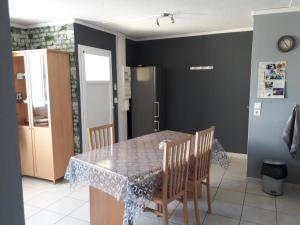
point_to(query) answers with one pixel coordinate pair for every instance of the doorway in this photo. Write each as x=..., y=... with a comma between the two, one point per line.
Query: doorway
x=95, y=72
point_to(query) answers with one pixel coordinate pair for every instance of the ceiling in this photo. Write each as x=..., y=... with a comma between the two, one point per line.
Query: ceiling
x=137, y=18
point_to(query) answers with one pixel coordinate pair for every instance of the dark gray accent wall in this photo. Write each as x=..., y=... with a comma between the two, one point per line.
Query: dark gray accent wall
x=131, y=53
x=98, y=39
x=11, y=207
x=198, y=99
x=264, y=141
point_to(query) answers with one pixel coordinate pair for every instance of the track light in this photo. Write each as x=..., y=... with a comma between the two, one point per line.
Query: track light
x=164, y=15
x=172, y=19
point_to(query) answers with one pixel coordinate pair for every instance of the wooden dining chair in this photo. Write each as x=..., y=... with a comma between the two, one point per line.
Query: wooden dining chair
x=175, y=176
x=101, y=136
x=200, y=168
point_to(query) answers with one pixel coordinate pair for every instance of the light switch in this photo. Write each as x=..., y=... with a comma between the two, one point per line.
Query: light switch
x=257, y=105
x=257, y=108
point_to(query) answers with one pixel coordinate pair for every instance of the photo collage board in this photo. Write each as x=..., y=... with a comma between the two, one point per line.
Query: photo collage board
x=271, y=79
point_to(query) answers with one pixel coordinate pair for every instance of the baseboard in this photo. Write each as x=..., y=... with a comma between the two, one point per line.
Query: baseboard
x=237, y=155
x=286, y=184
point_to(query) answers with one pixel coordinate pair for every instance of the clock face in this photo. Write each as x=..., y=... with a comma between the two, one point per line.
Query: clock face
x=286, y=43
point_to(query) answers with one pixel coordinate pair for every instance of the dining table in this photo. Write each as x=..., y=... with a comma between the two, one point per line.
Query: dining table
x=123, y=177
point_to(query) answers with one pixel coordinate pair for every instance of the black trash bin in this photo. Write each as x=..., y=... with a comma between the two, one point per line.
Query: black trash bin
x=273, y=176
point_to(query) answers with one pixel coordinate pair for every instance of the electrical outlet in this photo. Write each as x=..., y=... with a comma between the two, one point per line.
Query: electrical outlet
x=257, y=112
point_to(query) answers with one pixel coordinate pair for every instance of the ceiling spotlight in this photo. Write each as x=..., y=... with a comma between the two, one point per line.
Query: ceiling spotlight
x=172, y=19
x=165, y=15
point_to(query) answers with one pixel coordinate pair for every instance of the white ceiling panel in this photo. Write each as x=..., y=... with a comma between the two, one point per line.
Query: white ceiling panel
x=137, y=18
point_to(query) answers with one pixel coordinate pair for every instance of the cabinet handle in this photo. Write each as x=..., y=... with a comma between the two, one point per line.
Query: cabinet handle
x=156, y=109
x=156, y=124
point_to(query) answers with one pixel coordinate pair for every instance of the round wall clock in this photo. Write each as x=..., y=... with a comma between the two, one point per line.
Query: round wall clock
x=286, y=43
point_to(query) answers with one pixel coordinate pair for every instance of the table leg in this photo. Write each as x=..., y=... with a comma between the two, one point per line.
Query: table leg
x=105, y=209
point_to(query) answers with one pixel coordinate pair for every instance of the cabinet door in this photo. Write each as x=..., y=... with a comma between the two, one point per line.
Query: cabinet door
x=26, y=151
x=38, y=88
x=42, y=141
x=43, y=153
x=21, y=89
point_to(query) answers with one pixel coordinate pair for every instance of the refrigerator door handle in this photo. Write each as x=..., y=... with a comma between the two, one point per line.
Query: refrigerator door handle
x=156, y=125
x=156, y=109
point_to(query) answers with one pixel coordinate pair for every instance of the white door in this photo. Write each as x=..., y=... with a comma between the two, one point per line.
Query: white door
x=96, y=91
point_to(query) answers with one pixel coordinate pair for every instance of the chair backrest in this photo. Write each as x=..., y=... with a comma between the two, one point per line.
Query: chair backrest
x=176, y=166
x=101, y=136
x=202, y=153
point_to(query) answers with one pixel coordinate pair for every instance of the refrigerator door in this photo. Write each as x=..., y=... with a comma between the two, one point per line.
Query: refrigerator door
x=142, y=100
x=159, y=99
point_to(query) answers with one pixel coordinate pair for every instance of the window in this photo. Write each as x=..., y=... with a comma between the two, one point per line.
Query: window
x=97, y=68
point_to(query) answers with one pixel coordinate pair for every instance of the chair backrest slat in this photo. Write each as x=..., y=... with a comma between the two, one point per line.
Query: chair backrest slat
x=175, y=169
x=202, y=153
x=101, y=136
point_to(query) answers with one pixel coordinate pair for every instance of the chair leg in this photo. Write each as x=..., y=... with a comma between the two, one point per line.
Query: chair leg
x=166, y=214
x=159, y=208
x=185, y=209
x=208, y=195
x=196, y=206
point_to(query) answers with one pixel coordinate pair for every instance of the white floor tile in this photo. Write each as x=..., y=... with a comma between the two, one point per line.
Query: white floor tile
x=44, y=217
x=62, y=188
x=233, y=185
x=81, y=194
x=255, y=188
x=71, y=221
x=236, y=171
x=82, y=213
x=145, y=220
x=30, y=210
x=177, y=215
x=287, y=219
x=215, y=181
x=171, y=207
x=30, y=192
x=248, y=223
x=260, y=216
x=230, y=196
x=39, y=184
x=219, y=220
x=213, y=192
x=44, y=199
x=260, y=201
x=291, y=192
x=227, y=209
x=288, y=205
x=235, y=177
x=65, y=205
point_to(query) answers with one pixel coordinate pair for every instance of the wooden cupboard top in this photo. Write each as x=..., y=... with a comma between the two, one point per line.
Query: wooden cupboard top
x=40, y=50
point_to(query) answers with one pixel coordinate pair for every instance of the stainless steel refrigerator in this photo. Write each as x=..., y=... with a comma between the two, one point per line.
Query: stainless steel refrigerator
x=147, y=100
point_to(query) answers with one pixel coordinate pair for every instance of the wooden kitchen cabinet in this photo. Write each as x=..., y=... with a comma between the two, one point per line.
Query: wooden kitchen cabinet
x=44, y=112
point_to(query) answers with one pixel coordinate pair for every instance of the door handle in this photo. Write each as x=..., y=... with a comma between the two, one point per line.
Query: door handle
x=156, y=109
x=156, y=125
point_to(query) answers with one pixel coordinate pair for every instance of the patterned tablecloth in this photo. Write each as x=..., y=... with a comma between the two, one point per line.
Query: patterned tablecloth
x=129, y=170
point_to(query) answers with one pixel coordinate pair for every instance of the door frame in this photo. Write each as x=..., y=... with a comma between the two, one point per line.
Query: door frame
x=82, y=83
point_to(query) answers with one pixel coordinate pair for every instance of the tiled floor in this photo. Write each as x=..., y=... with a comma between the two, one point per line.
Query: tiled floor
x=236, y=201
